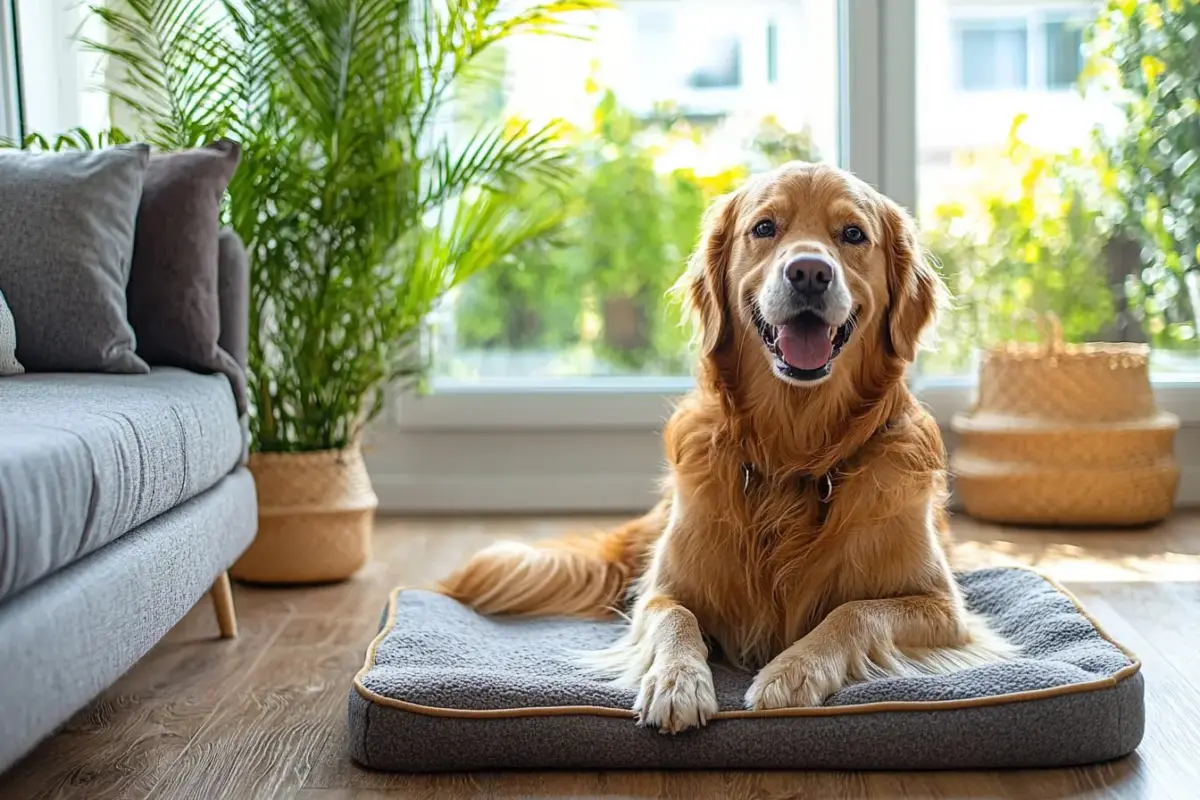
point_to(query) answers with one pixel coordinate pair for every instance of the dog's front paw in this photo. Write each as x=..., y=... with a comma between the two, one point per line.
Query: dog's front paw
x=676, y=695
x=794, y=681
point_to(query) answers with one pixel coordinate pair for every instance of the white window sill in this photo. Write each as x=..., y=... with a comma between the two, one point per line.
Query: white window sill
x=644, y=404
x=594, y=446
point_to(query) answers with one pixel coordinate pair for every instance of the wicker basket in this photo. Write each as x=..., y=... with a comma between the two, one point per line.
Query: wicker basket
x=1066, y=435
x=315, y=517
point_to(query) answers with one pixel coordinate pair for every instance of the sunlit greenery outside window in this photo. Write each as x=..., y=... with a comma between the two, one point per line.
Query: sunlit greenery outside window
x=592, y=299
x=1098, y=226
x=1100, y=233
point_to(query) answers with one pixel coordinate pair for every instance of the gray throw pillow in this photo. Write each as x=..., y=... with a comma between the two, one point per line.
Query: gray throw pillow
x=8, y=342
x=172, y=294
x=65, y=246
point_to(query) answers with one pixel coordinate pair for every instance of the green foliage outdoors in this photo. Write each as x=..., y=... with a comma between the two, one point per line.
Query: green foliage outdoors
x=1030, y=239
x=1030, y=236
x=605, y=282
x=1148, y=55
x=1034, y=239
x=359, y=211
x=602, y=286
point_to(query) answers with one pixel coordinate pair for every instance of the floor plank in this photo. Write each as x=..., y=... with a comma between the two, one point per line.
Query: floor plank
x=266, y=734
x=264, y=715
x=127, y=740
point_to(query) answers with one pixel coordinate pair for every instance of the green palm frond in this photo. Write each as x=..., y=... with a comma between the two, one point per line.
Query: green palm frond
x=77, y=138
x=177, y=67
x=491, y=158
x=487, y=229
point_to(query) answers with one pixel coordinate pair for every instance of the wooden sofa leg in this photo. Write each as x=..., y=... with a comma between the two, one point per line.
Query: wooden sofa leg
x=222, y=597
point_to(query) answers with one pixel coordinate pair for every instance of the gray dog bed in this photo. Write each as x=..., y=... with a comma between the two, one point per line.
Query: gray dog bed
x=444, y=688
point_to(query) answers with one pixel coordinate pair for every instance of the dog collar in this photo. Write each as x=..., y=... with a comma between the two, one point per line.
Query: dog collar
x=825, y=482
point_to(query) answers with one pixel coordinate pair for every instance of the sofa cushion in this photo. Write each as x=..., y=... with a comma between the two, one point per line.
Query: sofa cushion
x=65, y=251
x=172, y=295
x=8, y=342
x=87, y=458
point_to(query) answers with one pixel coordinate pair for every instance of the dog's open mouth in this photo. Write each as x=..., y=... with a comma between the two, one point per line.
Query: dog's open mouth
x=805, y=346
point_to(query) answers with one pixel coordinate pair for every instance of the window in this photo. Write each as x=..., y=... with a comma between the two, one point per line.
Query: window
x=673, y=102
x=1039, y=49
x=1017, y=196
x=61, y=83
x=719, y=64
x=1064, y=53
x=993, y=55
x=9, y=98
x=989, y=138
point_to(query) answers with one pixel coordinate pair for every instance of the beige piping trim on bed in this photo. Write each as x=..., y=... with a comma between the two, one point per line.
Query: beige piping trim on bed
x=819, y=711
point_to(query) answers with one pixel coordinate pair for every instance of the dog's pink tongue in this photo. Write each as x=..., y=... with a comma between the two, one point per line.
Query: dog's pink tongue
x=805, y=344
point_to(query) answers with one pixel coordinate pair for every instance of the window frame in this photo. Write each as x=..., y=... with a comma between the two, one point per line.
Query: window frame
x=752, y=76
x=10, y=76
x=593, y=445
x=771, y=50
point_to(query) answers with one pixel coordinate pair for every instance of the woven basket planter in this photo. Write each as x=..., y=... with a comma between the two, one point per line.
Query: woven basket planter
x=316, y=513
x=1066, y=435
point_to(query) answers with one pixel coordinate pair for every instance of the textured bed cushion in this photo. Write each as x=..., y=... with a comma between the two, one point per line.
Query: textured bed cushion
x=446, y=689
x=86, y=458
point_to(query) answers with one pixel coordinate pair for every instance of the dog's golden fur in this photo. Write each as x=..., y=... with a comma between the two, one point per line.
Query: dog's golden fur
x=755, y=568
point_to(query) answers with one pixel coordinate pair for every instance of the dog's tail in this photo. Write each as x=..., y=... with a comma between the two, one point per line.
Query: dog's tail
x=581, y=576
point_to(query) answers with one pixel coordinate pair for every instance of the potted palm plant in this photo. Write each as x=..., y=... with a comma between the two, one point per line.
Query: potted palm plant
x=359, y=205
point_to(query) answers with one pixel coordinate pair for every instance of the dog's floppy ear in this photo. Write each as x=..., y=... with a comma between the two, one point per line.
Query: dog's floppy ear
x=704, y=282
x=914, y=288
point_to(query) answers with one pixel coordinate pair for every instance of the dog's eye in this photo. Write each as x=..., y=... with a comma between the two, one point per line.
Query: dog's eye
x=852, y=234
x=763, y=229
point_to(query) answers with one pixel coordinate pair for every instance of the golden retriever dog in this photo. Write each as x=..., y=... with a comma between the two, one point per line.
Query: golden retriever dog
x=801, y=532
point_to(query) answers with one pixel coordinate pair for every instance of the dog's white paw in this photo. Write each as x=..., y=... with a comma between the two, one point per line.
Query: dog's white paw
x=676, y=695
x=794, y=681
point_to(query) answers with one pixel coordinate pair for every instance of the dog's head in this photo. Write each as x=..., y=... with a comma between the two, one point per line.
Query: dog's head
x=814, y=269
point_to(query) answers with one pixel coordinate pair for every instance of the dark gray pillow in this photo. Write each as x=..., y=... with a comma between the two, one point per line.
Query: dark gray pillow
x=65, y=247
x=173, y=299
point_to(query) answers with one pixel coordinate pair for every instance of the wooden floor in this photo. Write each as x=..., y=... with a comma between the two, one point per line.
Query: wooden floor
x=265, y=715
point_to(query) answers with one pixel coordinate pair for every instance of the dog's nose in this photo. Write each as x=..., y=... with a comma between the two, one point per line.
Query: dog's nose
x=808, y=275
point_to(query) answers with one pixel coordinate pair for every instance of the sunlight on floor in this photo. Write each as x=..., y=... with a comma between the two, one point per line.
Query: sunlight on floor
x=1092, y=562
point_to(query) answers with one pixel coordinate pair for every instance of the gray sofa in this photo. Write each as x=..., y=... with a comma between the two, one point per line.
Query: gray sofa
x=123, y=500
